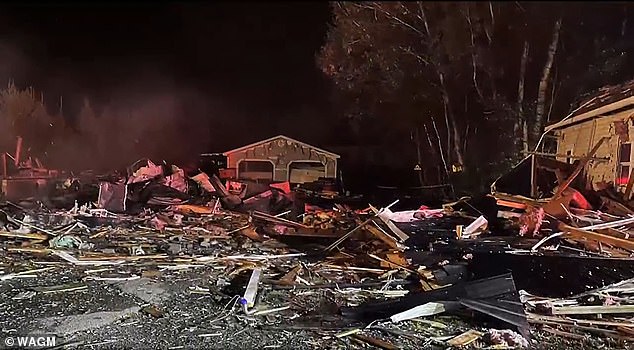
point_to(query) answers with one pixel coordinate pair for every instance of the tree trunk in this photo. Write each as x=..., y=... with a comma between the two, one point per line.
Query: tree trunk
x=431, y=146
x=624, y=22
x=445, y=103
x=419, y=158
x=457, y=142
x=521, y=120
x=442, y=157
x=453, y=136
x=543, y=83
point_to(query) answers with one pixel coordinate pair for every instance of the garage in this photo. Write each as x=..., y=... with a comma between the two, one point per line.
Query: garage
x=280, y=159
x=303, y=171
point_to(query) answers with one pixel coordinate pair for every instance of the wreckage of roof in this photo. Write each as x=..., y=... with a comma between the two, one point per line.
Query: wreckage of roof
x=606, y=100
x=277, y=138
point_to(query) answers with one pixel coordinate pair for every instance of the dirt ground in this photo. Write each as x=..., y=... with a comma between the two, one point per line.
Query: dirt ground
x=111, y=315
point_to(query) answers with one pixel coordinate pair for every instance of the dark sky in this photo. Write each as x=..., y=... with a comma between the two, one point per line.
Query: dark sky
x=254, y=59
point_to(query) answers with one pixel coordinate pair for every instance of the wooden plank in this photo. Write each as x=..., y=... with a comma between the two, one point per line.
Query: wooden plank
x=509, y=204
x=35, y=236
x=382, y=236
x=615, y=207
x=397, y=231
x=543, y=319
x=518, y=199
x=375, y=342
x=583, y=234
x=465, y=338
x=563, y=334
x=630, y=186
x=614, y=233
x=592, y=309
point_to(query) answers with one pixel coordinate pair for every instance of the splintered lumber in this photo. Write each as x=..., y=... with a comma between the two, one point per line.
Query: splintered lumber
x=465, y=338
x=615, y=207
x=29, y=250
x=35, y=236
x=397, y=231
x=344, y=285
x=579, y=168
x=375, y=342
x=391, y=264
x=592, y=309
x=23, y=273
x=347, y=235
x=563, y=334
x=289, y=278
x=578, y=233
x=196, y=209
x=382, y=236
x=543, y=319
x=630, y=186
x=61, y=288
x=252, y=234
x=516, y=201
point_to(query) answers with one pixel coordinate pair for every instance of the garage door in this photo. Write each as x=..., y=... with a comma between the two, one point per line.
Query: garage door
x=255, y=170
x=302, y=172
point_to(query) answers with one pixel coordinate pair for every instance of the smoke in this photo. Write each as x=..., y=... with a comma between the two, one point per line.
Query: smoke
x=148, y=115
x=171, y=124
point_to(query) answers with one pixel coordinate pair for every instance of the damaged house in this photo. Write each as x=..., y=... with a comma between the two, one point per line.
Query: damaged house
x=600, y=128
x=280, y=159
x=23, y=176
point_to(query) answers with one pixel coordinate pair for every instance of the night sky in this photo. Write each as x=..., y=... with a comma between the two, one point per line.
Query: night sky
x=248, y=65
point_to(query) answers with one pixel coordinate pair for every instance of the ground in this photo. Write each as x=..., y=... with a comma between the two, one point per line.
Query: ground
x=110, y=315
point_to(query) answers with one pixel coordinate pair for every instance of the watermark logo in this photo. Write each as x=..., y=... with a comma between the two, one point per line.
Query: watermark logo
x=29, y=341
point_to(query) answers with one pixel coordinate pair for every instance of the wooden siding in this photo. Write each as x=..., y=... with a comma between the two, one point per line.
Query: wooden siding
x=581, y=138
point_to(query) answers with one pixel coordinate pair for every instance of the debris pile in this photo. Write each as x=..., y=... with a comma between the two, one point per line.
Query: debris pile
x=497, y=270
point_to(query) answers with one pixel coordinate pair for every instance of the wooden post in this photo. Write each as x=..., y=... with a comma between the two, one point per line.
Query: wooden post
x=630, y=186
x=18, y=150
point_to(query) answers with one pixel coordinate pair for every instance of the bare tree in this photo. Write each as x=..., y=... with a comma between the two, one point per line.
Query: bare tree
x=521, y=122
x=543, y=83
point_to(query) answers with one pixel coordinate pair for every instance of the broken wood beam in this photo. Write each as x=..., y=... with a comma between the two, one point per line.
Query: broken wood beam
x=630, y=186
x=614, y=207
x=582, y=164
x=383, y=237
x=279, y=285
x=375, y=342
x=592, y=309
x=583, y=234
x=543, y=319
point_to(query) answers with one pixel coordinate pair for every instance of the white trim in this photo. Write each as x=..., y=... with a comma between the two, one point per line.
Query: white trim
x=597, y=112
x=227, y=153
x=254, y=160
x=569, y=157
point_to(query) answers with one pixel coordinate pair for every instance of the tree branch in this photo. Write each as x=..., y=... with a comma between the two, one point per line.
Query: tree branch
x=419, y=57
x=423, y=17
x=491, y=11
x=378, y=7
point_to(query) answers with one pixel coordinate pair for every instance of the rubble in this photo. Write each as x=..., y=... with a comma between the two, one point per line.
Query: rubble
x=206, y=263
